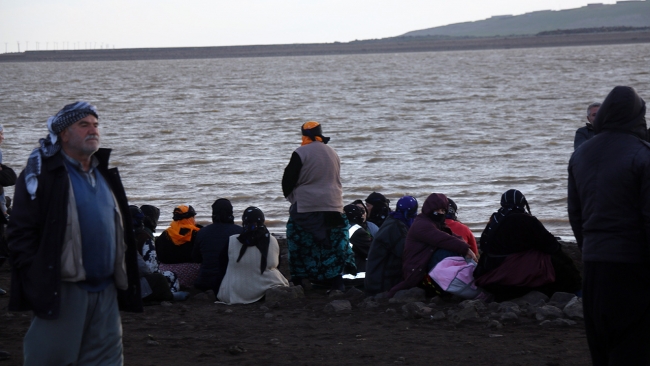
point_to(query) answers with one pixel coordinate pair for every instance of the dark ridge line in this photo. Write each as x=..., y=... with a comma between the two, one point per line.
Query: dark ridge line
x=390, y=45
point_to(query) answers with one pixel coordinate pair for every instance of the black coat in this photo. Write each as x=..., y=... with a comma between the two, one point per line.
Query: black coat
x=36, y=232
x=211, y=250
x=609, y=184
x=384, y=266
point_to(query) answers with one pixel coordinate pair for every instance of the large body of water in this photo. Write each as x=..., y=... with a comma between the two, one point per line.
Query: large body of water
x=470, y=124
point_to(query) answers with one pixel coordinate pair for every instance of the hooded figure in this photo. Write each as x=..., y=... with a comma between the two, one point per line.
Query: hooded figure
x=211, y=246
x=458, y=228
x=379, y=208
x=254, y=256
x=427, y=235
x=513, y=232
x=384, y=266
x=609, y=212
x=360, y=238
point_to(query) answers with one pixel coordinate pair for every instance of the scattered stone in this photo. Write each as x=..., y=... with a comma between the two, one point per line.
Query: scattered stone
x=283, y=293
x=557, y=323
x=494, y=324
x=573, y=309
x=495, y=335
x=437, y=300
x=415, y=310
x=439, y=315
x=414, y=294
x=165, y=303
x=355, y=295
x=391, y=311
x=509, y=307
x=264, y=308
x=368, y=303
x=548, y=312
x=269, y=315
x=560, y=299
x=493, y=306
x=400, y=360
x=235, y=350
x=531, y=298
x=153, y=343
x=338, y=306
x=464, y=314
x=228, y=311
x=335, y=293
x=509, y=316
x=383, y=295
x=202, y=297
x=476, y=304
x=274, y=341
x=8, y=315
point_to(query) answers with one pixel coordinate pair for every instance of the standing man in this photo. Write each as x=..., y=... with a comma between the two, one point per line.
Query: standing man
x=609, y=212
x=72, y=246
x=586, y=132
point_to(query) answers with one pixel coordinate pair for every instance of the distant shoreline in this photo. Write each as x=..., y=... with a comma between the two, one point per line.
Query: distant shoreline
x=390, y=45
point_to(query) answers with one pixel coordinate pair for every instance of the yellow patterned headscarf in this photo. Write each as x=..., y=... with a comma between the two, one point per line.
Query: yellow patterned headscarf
x=312, y=131
x=181, y=229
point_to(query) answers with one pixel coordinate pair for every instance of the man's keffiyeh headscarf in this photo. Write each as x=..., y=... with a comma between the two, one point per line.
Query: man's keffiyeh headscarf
x=50, y=145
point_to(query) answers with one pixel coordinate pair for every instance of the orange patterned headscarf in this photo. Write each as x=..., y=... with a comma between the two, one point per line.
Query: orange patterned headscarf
x=181, y=229
x=311, y=131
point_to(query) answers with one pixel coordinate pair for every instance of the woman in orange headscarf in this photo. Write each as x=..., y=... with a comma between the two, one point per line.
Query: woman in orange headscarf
x=175, y=244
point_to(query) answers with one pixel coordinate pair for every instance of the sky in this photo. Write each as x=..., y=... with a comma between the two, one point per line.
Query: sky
x=73, y=24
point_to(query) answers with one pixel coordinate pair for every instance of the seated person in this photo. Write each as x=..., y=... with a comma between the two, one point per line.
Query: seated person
x=428, y=235
x=153, y=284
x=384, y=265
x=211, y=246
x=148, y=249
x=370, y=227
x=378, y=208
x=175, y=245
x=360, y=239
x=253, y=258
x=459, y=228
x=520, y=255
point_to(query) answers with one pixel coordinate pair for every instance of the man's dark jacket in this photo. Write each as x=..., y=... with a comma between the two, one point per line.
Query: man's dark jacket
x=36, y=232
x=211, y=250
x=609, y=184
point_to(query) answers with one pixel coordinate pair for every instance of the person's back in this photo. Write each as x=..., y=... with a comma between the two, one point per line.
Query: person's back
x=211, y=249
x=384, y=265
x=609, y=212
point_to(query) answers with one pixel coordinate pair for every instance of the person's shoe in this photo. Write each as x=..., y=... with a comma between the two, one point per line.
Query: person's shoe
x=181, y=295
x=2, y=292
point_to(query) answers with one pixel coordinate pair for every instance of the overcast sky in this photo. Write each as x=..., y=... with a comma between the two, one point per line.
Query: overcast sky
x=188, y=23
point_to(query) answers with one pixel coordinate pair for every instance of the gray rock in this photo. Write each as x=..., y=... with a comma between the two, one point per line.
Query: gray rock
x=557, y=323
x=153, y=343
x=369, y=303
x=335, y=293
x=476, y=304
x=560, y=299
x=355, y=294
x=573, y=309
x=509, y=317
x=283, y=293
x=228, y=311
x=415, y=310
x=414, y=294
x=264, y=308
x=391, y=311
x=269, y=316
x=463, y=315
x=338, y=306
x=380, y=296
x=532, y=297
x=548, y=312
x=437, y=300
x=203, y=297
x=493, y=306
x=508, y=307
x=439, y=315
x=166, y=303
x=494, y=324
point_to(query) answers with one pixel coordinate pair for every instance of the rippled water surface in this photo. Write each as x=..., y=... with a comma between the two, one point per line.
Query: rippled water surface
x=468, y=124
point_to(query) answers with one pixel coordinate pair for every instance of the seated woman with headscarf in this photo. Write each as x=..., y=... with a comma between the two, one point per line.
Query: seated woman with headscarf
x=520, y=255
x=458, y=227
x=253, y=259
x=378, y=208
x=360, y=238
x=428, y=241
x=384, y=266
x=369, y=226
x=175, y=245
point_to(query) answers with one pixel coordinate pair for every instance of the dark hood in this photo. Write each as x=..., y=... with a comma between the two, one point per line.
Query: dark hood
x=623, y=110
x=434, y=201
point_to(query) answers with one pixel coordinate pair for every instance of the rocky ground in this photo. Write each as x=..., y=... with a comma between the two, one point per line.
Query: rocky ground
x=298, y=327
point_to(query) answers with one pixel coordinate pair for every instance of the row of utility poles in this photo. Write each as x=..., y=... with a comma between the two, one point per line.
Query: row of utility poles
x=62, y=46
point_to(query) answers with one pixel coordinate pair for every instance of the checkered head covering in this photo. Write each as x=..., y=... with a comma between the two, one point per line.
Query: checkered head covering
x=50, y=145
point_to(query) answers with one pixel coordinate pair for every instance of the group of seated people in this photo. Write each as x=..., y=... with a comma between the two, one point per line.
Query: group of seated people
x=396, y=249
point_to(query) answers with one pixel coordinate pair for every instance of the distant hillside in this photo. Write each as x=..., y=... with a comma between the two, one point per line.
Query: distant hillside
x=621, y=14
